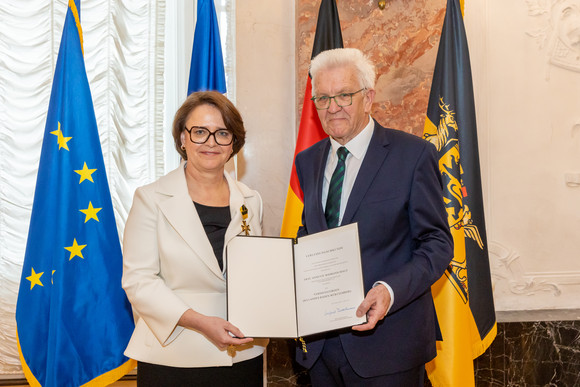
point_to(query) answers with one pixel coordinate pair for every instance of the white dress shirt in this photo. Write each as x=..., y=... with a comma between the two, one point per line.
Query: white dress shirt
x=357, y=149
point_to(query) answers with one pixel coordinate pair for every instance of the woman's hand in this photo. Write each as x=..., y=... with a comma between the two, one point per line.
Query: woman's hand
x=217, y=330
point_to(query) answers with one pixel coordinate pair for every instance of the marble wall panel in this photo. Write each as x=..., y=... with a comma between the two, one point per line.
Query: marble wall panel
x=282, y=370
x=402, y=41
x=540, y=353
x=523, y=354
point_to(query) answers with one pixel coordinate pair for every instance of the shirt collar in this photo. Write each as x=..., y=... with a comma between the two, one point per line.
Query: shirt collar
x=358, y=145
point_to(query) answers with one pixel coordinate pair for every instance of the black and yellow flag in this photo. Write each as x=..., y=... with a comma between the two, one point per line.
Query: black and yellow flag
x=463, y=296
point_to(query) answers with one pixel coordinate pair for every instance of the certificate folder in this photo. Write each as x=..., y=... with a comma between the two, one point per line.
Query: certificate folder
x=281, y=287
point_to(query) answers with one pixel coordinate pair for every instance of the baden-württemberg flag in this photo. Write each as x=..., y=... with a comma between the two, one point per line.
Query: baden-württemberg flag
x=463, y=296
x=73, y=318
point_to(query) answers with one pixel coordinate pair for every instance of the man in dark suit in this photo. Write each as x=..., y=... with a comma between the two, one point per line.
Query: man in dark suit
x=389, y=183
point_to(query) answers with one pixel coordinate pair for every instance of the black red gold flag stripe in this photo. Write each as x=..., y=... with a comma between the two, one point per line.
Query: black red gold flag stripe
x=328, y=36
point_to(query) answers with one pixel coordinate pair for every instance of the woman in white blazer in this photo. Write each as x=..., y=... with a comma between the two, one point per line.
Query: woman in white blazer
x=173, y=257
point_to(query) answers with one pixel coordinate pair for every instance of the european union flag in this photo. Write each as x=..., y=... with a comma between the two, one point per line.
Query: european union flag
x=207, y=63
x=73, y=318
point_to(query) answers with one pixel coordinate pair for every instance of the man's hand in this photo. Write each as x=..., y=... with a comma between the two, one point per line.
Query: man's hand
x=375, y=306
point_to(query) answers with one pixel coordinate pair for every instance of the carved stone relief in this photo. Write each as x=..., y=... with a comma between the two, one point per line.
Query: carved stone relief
x=508, y=270
x=557, y=30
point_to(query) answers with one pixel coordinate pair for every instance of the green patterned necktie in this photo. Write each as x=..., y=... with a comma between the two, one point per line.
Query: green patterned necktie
x=332, y=211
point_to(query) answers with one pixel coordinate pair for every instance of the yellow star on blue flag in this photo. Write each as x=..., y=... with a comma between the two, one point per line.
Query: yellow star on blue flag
x=72, y=330
x=91, y=212
x=86, y=173
x=61, y=139
x=34, y=279
x=75, y=250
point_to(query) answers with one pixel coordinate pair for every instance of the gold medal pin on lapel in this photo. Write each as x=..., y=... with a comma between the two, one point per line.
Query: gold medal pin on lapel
x=245, y=227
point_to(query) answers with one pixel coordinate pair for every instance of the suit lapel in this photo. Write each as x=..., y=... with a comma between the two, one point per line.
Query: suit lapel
x=374, y=159
x=180, y=212
x=319, y=165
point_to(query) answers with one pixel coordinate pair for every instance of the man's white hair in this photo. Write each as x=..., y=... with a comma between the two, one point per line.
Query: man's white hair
x=344, y=57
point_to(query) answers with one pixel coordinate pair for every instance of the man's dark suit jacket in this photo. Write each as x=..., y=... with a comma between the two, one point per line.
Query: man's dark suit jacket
x=405, y=241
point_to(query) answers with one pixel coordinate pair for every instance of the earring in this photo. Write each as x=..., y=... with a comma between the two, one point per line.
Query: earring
x=182, y=147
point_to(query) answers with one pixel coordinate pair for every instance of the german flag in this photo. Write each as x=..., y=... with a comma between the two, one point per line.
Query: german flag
x=328, y=36
x=463, y=296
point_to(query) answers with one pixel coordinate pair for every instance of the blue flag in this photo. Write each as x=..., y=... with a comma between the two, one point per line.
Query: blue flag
x=72, y=316
x=207, y=63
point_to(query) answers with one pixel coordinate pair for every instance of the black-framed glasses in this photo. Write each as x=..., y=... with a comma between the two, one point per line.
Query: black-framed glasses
x=200, y=135
x=342, y=100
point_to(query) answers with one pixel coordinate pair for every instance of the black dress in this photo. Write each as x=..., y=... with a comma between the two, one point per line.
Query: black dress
x=248, y=373
x=215, y=222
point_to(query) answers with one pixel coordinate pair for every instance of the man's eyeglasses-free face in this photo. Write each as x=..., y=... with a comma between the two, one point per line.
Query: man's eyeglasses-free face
x=200, y=135
x=342, y=100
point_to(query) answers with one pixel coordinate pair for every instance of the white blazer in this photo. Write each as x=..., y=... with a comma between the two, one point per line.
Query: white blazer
x=169, y=266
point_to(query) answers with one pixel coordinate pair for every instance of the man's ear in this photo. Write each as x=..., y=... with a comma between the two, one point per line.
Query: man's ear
x=369, y=99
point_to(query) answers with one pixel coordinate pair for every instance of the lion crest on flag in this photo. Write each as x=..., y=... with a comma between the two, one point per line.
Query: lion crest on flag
x=446, y=141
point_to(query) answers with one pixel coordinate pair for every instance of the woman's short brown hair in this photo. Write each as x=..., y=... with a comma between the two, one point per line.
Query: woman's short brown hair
x=231, y=116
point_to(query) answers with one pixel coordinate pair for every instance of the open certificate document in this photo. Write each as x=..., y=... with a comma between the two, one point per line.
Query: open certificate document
x=276, y=288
